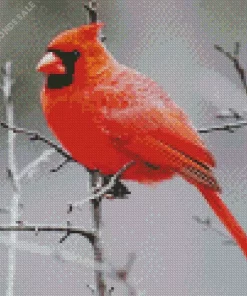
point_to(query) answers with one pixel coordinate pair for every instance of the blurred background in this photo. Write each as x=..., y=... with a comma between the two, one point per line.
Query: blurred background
x=171, y=41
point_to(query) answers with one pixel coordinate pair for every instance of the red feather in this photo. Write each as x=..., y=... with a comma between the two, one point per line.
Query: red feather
x=109, y=115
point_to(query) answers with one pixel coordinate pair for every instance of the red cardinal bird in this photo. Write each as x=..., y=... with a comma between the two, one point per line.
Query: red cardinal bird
x=106, y=115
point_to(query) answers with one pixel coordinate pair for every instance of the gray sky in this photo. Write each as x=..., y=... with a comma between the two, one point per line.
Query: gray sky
x=172, y=42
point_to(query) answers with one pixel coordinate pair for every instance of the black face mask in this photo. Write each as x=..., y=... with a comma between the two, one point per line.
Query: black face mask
x=56, y=81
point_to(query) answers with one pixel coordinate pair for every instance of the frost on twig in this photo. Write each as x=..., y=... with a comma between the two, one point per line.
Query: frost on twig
x=32, y=168
x=63, y=255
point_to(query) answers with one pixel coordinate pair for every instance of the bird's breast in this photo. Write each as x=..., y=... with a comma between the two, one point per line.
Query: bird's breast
x=77, y=124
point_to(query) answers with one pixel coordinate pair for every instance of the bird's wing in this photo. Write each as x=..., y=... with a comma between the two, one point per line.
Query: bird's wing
x=142, y=120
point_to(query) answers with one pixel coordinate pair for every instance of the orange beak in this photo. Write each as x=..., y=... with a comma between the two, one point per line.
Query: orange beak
x=51, y=64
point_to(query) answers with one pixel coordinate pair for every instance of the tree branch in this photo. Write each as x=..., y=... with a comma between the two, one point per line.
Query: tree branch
x=35, y=136
x=62, y=255
x=208, y=224
x=93, y=236
x=100, y=191
x=36, y=228
x=12, y=172
x=92, y=13
x=234, y=58
x=230, y=127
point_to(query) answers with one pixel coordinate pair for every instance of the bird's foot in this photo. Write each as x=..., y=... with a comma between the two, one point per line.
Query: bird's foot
x=118, y=191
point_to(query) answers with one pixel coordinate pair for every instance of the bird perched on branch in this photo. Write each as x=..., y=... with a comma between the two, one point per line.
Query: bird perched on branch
x=106, y=115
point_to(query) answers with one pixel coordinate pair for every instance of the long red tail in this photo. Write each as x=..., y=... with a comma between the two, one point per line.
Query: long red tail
x=214, y=200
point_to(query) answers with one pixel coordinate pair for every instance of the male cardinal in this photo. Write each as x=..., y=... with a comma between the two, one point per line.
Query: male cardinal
x=107, y=115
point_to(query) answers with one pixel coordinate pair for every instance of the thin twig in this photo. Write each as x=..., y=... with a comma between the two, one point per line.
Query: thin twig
x=48, y=228
x=35, y=136
x=230, y=113
x=234, y=58
x=122, y=274
x=61, y=165
x=208, y=224
x=103, y=189
x=92, y=14
x=230, y=127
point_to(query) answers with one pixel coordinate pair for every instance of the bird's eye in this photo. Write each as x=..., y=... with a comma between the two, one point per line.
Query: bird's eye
x=76, y=53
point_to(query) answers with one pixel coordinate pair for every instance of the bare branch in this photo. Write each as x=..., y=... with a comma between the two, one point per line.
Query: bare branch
x=35, y=136
x=36, y=228
x=208, y=224
x=101, y=191
x=230, y=127
x=237, y=49
x=58, y=168
x=122, y=274
x=92, y=13
x=12, y=172
x=230, y=113
x=106, y=188
x=7, y=82
x=234, y=58
x=96, y=206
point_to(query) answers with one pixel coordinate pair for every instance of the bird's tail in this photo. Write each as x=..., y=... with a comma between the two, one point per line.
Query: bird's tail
x=214, y=200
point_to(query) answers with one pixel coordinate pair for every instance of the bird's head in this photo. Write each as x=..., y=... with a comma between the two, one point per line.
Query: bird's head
x=75, y=54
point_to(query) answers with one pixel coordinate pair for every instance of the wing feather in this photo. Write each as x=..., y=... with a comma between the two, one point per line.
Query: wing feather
x=141, y=119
